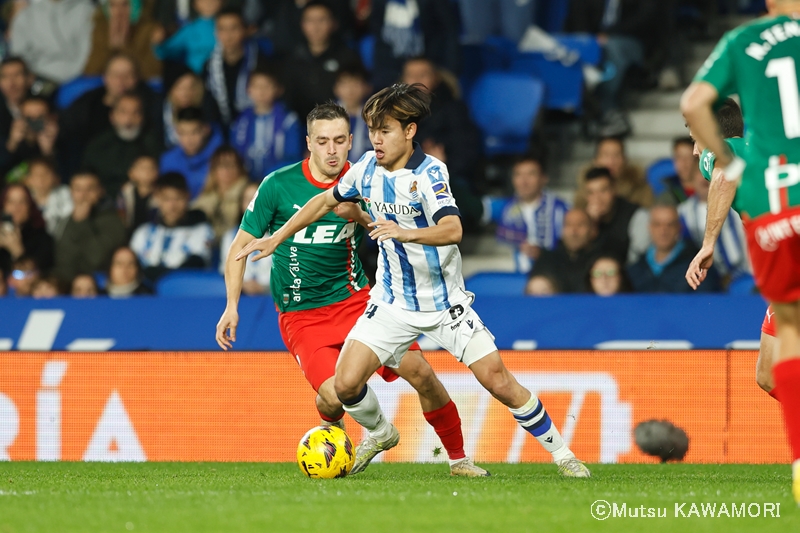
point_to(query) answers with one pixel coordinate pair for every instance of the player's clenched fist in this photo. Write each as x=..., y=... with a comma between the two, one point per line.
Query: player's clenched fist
x=387, y=229
x=265, y=245
x=226, y=329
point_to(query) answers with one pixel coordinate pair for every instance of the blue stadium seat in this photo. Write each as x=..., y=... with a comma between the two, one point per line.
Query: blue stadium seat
x=494, y=55
x=199, y=283
x=497, y=283
x=585, y=44
x=156, y=84
x=564, y=84
x=744, y=284
x=366, y=49
x=663, y=168
x=505, y=106
x=72, y=90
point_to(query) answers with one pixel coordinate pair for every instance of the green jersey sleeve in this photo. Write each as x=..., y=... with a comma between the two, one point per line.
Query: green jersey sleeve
x=708, y=158
x=260, y=213
x=718, y=70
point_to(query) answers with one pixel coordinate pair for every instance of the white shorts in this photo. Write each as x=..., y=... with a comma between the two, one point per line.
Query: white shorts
x=389, y=331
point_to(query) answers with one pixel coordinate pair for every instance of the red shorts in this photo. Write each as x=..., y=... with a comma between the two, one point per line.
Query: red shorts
x=315, y=337
x=768, y=326
x=774, y=245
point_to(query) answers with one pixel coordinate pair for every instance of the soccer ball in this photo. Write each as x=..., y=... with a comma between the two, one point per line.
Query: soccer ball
x=325, y=452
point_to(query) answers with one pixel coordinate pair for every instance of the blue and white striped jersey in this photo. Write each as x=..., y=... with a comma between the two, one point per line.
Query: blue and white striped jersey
x=413, y=277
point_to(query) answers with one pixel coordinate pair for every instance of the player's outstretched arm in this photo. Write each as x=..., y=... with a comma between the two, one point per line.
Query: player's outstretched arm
x=697, y=107
x=234, y=275
x=315, y=209
x=447, y=231
x=720, y=199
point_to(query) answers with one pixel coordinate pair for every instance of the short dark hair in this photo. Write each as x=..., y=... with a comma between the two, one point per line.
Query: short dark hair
x=353, y=70
x=130, y=95
x=320, y=3
x=45, y=161
x=405, y=103
x=729, y=116
x=172, y=180
x=127, y=57
x=684, y=139
x=230, y=12
x=86, y=174
x=328, y=111
x=609, y=138
x=37, y=98
x=528, y=158
x=191, y=114
x=267, y=73
x=15, y=60
x=596, y=173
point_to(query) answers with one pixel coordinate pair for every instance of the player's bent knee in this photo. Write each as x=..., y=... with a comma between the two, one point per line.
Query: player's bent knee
x=347, y=390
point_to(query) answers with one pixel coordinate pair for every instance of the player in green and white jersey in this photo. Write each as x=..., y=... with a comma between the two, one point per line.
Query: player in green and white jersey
x=759, y=62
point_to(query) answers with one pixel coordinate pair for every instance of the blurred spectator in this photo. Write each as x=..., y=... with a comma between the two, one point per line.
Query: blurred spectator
x=285, y=22
x=125, y=275
x=352, y=89
x=15, y=84
x=607, y=277
x=197, y=141
x=256, y=275
x=24, y=273
x=568, y=262
x=730, y=253
x=111, y=154
x=629, y=180
x=471, y=206
x=90, y=115
x=627, y=30
x=193, y=43
x=123, y=26
x=533, y=219
x=541, y=285
x=173, y=14
x=234, y=57
x=483, y=18
x=187, y=90
x=222, y=194
x=663, y=267
x=449, y=119
x=91, y=233
x=45, y=288
x=413, y=28
x=84, y=286
x=679, y=187
x=23, y=231
x=609, y=211
x=54, y=37
x=33, y=134
x=267, y=135
x=311, y=69
x=52, y=198
x=180, y=238
x=135, y=202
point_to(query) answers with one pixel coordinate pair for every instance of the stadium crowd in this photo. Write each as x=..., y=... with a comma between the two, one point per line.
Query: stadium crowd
x=133, y=134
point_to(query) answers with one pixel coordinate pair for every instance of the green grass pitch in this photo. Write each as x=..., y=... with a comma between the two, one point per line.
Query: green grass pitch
x=230, y=497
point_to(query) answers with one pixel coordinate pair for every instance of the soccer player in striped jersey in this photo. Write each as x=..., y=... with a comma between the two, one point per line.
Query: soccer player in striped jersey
x=419, y=286
x=319, y=285
x=720, y=197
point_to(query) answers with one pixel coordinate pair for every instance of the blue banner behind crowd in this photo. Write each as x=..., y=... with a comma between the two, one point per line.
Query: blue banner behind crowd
x=564, y=322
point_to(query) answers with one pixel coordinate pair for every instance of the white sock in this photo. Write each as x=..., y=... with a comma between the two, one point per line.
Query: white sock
x=368, y=413
x=534, y=419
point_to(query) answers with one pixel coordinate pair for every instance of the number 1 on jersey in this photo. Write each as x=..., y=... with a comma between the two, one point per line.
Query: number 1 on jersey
x=784, y=70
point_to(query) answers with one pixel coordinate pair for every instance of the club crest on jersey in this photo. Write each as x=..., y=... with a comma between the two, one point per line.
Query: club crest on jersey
x=441, y=190
x=413, y=190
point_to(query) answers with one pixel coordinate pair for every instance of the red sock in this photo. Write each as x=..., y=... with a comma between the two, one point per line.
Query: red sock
x=329, y=419
x=447, y=424
x=774, y=393
x=787, y=379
